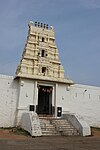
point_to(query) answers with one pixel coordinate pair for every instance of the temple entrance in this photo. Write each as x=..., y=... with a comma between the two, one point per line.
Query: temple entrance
x=44, y=100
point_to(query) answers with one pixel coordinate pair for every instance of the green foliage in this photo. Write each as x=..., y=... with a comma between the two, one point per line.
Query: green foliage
x=16, y=130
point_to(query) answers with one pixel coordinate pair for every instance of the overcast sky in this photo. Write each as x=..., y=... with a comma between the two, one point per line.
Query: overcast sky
x=77, y=27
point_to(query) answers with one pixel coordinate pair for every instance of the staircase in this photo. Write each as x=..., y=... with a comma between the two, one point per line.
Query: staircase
x=47, y=127
x=54, y=126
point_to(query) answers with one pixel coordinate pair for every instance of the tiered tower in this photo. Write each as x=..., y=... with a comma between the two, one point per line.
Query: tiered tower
x=40, y=58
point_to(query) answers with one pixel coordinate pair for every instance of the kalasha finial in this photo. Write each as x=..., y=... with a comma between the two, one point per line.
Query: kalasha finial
x=44, y=25
x=41, y=25
x=52, y=28
x=47, y=26
x=38, y=24
x=35, y=24
x=30, y=23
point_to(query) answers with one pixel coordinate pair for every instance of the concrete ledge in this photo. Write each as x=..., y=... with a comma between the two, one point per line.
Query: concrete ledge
x=78, y=122
x=6, y=77
x=30, y=122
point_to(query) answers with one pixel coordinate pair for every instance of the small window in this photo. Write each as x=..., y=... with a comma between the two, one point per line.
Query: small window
x=43, y=69
x=43, y=52
x=38, y=54
x=42, y=39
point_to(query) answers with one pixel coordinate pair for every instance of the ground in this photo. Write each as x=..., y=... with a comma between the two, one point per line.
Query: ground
x=10, y=141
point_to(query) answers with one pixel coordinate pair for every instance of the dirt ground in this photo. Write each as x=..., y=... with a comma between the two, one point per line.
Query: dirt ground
x=11, y=141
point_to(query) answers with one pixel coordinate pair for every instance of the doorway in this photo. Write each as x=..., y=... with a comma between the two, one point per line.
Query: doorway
x=44, y=100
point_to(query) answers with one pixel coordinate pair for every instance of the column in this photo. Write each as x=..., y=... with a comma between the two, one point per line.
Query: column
x=56, y=98
x=35, y=94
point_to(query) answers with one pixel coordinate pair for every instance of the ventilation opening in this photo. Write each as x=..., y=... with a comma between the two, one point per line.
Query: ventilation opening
x=43, y=52
x=42, y=39
x=43, y=69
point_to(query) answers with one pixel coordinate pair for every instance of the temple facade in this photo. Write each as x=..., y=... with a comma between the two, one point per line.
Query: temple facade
x=40, y=70
x=40, y=84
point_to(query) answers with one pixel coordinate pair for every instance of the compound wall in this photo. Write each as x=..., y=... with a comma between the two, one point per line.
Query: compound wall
x=82, y=100
x=8, y=100
x=16, y=96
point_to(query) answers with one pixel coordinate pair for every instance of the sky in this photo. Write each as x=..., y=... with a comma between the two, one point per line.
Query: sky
x=77, y=32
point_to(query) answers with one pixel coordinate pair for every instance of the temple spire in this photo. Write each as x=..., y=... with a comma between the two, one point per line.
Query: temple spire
x=40, y=58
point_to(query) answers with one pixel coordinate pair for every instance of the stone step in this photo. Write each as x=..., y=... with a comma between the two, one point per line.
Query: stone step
x=48, y=127
x=50, y=134
x=49, y=131
x=57, y=127
x=63, y=125
x=43, y=122
x=46, y=132
x=45, y=129
x=60, y=122
x=70, y=132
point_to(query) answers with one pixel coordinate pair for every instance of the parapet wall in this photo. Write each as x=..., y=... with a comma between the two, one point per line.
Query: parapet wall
x=8, y=100
x=78, y=99
x=85, y=101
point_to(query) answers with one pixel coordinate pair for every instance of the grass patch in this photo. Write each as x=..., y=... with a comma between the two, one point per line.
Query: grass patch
x=6, y=128
x=16, y=130
x=20, y=131
x=95, y=128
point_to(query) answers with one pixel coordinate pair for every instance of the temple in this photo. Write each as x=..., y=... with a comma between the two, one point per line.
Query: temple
x=40, y=65
x=40, y=98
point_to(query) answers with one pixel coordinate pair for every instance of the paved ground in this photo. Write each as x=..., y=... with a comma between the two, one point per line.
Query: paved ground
x=17, y=142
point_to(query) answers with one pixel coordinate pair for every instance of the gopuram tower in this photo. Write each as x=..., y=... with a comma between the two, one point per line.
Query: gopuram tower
x=40, y=58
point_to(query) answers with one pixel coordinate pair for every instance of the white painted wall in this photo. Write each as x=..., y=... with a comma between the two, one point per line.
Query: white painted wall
x=83, y=100
x=26, y=97
x=26, y=93
x=61, y=96
x=16, y=96
x=8, y=100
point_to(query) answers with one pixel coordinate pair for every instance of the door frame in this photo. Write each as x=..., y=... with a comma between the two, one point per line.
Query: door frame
x=53, y=93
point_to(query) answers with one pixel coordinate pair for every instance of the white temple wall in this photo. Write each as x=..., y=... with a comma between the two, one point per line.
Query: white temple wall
x=61, y=96
x=85, y=101
x=26, y=97
x=16, y=96
x=26, y=93
x=8, y=100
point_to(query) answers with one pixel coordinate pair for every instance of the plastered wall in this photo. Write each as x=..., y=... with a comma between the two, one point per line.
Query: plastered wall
x=61, y=95
x=26, y=97
x=16, y=96
x=8, y=100
x=83, y=100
